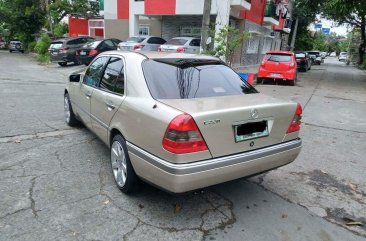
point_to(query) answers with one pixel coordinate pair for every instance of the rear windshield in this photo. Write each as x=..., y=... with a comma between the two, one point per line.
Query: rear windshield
x=192, y=78
x=56, y=45
x=135, y=40
x=300, y=55
x=278, y=57
x=92, y=45
x=314, y=53
x=177, y=41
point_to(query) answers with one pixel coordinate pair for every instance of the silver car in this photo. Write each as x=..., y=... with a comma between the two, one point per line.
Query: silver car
x=182, y=45
x=180, y=121
x=142, y=43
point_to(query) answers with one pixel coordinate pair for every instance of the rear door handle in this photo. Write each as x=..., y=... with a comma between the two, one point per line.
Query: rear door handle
x=88, y=95
x=110, y=105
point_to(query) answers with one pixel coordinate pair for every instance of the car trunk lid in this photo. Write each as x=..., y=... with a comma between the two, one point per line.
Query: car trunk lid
x=234, y=124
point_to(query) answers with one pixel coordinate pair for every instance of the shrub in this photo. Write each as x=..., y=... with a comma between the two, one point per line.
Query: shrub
x=31, y=46
x=43, y=58
x=43, y=44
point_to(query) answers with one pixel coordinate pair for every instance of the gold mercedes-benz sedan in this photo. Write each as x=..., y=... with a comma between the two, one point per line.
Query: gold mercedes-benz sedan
x=180, y=121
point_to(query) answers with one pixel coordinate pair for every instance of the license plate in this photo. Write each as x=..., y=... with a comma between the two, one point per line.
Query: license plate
x=275, y=75
x=82, y=53
x=251, y=130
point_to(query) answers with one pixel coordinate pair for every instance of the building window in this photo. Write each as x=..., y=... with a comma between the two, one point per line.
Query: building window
x=253, y=45
x=144, y=30
x=267, y=43
x=190, y=31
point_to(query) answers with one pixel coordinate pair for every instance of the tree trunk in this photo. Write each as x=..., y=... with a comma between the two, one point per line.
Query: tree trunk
x=363, y=39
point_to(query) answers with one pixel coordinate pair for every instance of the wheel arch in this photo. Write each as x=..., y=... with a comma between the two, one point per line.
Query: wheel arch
x=112, y=133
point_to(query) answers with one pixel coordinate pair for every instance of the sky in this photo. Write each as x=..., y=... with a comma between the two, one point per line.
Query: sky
x=341, y=30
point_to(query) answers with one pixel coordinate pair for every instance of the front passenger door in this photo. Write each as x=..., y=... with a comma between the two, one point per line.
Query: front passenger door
x=90, y=81
x=108, y=97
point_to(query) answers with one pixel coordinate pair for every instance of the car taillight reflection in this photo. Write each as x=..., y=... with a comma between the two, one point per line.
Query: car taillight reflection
x=181, y=50
x=93, y=52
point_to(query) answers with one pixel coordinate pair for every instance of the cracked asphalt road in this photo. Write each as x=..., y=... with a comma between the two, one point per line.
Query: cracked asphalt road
x=55, y=182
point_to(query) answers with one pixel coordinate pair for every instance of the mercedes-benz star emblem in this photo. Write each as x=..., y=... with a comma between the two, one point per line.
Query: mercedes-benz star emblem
x=254, y=113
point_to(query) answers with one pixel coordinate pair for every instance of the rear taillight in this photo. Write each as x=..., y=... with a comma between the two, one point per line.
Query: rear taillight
x=183, y=136
x=263, y=63
x=93, y=52
x=63, y=50
x=181, y=50
x=292, y=65
x=138, y=46
x=296, y=121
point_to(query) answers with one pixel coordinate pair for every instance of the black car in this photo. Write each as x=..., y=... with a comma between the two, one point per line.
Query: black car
x=62, y=51
x=303, y=60
x=87, y=53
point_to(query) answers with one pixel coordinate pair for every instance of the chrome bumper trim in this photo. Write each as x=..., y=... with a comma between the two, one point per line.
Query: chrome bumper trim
x=188, y=168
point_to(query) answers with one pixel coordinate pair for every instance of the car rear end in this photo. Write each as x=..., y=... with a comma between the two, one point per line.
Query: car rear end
x=301, y=61
x=58, y=51
x=213, y=127
x=278, y=66
x=88, y=52
x=16, y=46
x=131, y=44
x=176, y=45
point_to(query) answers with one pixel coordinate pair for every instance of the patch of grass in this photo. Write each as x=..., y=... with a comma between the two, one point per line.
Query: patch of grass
x=43, y=58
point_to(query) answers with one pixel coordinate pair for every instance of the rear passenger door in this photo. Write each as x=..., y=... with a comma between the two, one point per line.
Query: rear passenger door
x=108, y=96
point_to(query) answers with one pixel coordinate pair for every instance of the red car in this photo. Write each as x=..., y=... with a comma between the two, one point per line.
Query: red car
x=278, y=65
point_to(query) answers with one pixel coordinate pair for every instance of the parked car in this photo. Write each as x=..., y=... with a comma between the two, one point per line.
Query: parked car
x=88, y=52
x=182, y=121
x=303, y=60
x=182, y=45
x=16, y=46
x=333, y=54
x=62, y=51
x=278, y=65
x=323, y=55
x=343, y=56
x=315, y=57
x=142, y=43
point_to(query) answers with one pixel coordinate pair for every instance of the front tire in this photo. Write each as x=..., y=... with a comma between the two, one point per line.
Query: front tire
x=123, y=172
x=70, y=117
x=62, y=64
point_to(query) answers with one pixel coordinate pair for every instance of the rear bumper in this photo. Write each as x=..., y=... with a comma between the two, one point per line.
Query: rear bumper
x=280, y=75
x=178, y=178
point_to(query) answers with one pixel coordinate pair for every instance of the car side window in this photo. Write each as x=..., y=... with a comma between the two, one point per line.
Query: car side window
x=156, y=40
x=113, y=79
x=108, y=43
x=195, y=42
x=94, y=73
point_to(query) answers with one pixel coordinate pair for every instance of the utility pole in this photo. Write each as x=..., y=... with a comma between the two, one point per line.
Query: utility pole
x=205, y=24
x=292, y=46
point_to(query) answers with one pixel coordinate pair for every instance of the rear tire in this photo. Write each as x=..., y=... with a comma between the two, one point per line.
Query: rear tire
x=62, y=64
x=122, y=170
x=10, y=51
x=259, y=81
x=70, y=117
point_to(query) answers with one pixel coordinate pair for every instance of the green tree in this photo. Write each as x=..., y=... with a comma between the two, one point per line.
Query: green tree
x=352, y=12
x=21, y=18
x=227, y=40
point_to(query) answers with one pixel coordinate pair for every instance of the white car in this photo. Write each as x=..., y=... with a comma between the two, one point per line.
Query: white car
x=143, y=43
x=343, y=56
x=333, y=54
x=182, y=45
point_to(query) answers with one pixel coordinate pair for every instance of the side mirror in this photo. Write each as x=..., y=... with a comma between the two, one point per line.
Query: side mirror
x=74, y=78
